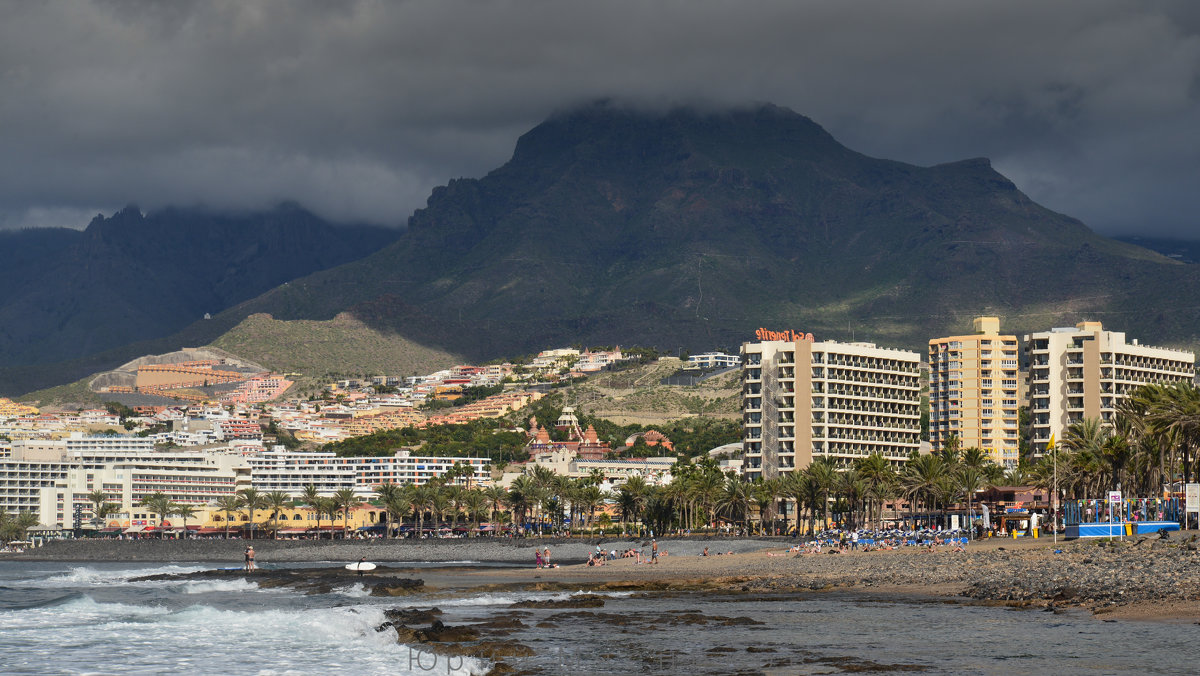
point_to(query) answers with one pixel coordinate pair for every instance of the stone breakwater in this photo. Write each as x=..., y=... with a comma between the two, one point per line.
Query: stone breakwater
x=491, y=550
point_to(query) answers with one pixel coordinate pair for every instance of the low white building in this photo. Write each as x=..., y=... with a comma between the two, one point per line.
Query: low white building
x=711, y=360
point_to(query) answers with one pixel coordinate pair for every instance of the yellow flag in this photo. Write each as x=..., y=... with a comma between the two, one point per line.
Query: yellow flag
x=1050, y=444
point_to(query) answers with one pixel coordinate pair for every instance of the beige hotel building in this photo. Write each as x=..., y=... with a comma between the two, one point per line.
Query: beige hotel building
x=1085, y=372
x=973, y=391
x=803, y=399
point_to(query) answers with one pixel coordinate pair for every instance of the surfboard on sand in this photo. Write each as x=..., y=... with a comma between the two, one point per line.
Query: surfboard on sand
x=365, y=565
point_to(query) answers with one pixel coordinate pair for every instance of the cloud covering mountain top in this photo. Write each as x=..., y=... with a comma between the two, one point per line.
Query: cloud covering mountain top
x=358, y=109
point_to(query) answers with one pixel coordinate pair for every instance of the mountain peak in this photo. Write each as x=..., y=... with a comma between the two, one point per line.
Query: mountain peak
x=642, y=132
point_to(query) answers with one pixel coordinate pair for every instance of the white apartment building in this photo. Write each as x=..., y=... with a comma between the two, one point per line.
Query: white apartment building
x=1085, y=372
x=291, y=472
x=195, y=479
x=842, y=401
x=973, y=391
x=51, y=476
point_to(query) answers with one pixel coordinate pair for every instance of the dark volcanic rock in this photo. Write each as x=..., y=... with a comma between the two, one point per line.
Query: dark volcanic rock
x=308, y=580
x=577, y=601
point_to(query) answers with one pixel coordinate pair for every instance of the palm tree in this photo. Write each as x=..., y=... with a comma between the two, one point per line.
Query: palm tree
x=455, y=496
x=824, y=473
x=389, y=494
x=543, y=482
x=495, y=495
x=919, y=479
x=253, y=501
x=276, y=501
x=633, y=497
x=228, y=504
x=851, y=486
x=346, y=500
x=466, y=471
x=312, y=497
x=393, y=496
x=735, y=500
x=422, y=499
x=517, y=499
x=1176, y=410
x=399, y=504
x=15, y=527
x=328, y=506
x=106, y=510
x=971, y=479
x=590, y=498
x=97, y=498
x=476, y=505
x=159, y=503
x=707, y=489
x=538, y=497
x=184, y=512
x=764, y=494
x=878, y=475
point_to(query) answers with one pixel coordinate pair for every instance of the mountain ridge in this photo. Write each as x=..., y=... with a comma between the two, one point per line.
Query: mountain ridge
x=687, y=229
x=132, y=277
x=637, y=211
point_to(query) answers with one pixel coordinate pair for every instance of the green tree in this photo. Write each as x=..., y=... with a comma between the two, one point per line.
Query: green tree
x=229, y=504
x=390, y=494
x=252, y=501
x=276, y=501
x=16, y=527
x=346, y=500
x=184, y=512
x=160, y=504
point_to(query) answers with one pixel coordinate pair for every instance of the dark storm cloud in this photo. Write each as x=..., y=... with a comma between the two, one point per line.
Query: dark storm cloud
x=358, y=109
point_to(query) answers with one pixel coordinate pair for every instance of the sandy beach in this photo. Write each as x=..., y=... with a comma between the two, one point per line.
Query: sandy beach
x=1137, y=579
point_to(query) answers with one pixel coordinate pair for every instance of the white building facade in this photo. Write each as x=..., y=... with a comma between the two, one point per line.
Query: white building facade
x=1086, y=372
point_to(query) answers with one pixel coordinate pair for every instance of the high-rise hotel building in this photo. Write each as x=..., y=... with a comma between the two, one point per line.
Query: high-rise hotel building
x=973, y=391
x=843, y=401
x=1085, y=372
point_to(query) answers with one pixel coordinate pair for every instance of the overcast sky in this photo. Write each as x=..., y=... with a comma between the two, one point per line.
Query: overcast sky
x=358, y=109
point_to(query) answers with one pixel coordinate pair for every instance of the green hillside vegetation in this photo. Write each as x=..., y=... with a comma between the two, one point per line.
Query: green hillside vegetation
x=497, y=440
x=330, y=350
x=636, y=396
x=74, y=395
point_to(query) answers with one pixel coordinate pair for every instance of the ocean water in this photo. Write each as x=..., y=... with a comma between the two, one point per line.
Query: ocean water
x=60, y=618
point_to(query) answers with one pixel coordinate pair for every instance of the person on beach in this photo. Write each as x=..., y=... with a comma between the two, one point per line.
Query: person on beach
x=537, y=557
x=854, y=541
x=546, y=558
x=250, y=558
x=654, y=551
x=360, y=565
x=705, y=552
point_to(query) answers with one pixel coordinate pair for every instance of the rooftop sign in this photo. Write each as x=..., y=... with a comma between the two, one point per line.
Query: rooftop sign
x=785, y=335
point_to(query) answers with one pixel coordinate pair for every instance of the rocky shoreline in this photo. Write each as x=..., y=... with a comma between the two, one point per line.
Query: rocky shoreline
x=1099, y=576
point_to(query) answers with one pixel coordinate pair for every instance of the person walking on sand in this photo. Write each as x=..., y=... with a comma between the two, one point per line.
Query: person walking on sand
x=537, y=557
x=250, y=558
x=654, y=551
